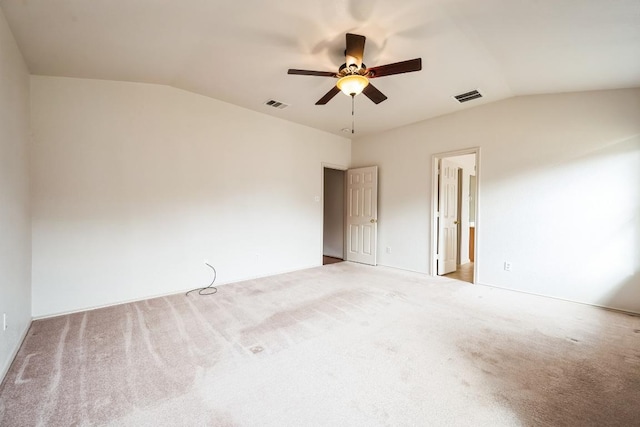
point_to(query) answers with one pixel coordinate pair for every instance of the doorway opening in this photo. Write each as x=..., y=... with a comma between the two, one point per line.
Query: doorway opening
x=333, y=215
x=454, y=215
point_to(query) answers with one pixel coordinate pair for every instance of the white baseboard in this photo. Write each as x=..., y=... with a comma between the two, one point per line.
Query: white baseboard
x=142, y=298
x=606, y=307
x=405, y=269
x=14, y=353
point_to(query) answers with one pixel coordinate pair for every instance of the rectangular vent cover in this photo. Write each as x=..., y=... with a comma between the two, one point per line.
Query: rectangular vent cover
x=464, y=97
x=276, y=104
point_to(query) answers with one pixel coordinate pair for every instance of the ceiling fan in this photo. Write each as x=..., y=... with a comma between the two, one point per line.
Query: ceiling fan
x=353, y=76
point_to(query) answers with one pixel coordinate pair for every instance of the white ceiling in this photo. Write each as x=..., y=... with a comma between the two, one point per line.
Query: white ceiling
x=239, y=52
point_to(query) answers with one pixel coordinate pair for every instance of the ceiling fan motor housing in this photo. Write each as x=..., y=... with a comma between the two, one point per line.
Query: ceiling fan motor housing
x=347, y=70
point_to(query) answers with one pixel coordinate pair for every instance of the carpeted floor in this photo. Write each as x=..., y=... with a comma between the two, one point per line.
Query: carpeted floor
x=339, y=345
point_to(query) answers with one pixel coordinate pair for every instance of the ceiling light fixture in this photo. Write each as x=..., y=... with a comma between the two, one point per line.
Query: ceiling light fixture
x=353, y=84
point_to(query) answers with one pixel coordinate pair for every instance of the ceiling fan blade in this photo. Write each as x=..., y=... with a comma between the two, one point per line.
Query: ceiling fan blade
x=372, y=92
x=333, y=92
x=311, y=73
x=355, y=49
x=396, y=68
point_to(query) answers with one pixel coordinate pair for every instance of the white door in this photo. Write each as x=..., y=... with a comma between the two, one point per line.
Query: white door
x=447, y=217
x=362, y=215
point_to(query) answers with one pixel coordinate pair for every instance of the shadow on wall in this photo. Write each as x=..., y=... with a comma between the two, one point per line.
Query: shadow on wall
x=626, y=295
x=621, y=248
x=580, y=219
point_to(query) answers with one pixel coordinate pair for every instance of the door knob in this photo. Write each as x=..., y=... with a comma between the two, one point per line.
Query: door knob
x=455, y=222
x=373, y=221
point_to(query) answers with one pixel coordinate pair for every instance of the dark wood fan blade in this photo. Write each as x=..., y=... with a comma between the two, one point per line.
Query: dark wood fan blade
x=374, y=94
x=355, y=48
x=312, y=73
x=396, y=68
x=333, y=92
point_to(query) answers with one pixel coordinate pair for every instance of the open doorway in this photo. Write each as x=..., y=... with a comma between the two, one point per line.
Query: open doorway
x=454, y=215
x=333, y=215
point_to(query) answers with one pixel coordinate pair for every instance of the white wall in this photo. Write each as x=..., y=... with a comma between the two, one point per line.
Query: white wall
x=334, y=213
x=559, y=185
x=15, y=216
x=135, y=185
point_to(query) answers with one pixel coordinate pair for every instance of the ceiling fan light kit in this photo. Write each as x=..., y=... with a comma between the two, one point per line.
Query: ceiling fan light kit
x=353, y=84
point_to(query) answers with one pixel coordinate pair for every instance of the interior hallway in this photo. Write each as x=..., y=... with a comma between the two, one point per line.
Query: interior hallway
x=464, y=273
x=330, y=260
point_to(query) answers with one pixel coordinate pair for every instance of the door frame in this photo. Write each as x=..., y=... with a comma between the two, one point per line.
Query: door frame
x=435, y=159
x=324, y=165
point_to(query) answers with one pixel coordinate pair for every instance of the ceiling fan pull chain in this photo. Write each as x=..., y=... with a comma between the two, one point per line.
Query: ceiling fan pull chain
x=353, y=114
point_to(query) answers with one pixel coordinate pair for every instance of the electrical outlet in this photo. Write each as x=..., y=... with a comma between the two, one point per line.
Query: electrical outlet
x=388, y=249
x=507, y=266
x=4, y=321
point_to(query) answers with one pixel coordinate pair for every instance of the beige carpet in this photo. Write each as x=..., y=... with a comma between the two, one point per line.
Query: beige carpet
x=340, y=345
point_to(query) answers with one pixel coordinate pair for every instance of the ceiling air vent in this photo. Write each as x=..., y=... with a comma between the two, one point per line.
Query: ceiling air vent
x=464, y=97
x=276, y=104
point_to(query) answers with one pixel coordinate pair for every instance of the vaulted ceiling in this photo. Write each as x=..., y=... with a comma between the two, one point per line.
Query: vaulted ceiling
x=239, y=52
